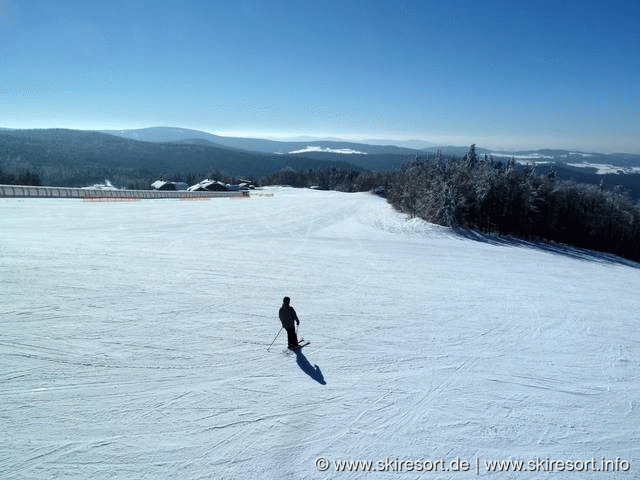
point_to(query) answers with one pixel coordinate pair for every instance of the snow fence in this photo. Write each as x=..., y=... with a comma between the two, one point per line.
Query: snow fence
x=97, y=194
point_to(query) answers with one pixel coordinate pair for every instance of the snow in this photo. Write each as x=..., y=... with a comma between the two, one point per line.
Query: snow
x=107, y=185
x=133, y=342
x=345, y=151
x=523, y=156
x=601, y=169
x=581, y=154
x=605, y=169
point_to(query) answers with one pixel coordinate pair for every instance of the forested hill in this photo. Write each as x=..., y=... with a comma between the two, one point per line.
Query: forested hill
x=173, y=134
x=76, y=158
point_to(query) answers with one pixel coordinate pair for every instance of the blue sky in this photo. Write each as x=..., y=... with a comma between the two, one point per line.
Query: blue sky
x=502, y=74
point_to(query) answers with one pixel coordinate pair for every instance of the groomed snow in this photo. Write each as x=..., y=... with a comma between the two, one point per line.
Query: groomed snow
x=133, y=343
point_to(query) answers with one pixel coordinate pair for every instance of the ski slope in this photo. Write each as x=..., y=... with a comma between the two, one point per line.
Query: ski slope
x=133, y=343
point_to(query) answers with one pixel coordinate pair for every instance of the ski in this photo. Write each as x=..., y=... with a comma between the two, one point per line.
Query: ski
x=289, y=351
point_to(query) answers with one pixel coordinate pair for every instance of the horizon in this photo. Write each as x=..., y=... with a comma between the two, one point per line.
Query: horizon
x=545, y=75
x=347, y=139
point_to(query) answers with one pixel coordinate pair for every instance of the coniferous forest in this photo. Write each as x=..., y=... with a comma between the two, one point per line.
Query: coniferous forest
x=497, y=197
x=19, y=177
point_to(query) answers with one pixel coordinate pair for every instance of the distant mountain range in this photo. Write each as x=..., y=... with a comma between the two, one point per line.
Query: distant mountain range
x=75, y=157
x=327, y=148
x=170, y=134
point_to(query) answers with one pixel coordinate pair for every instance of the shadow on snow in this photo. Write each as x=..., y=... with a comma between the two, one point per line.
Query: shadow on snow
x=554, y=248
x=313, y=371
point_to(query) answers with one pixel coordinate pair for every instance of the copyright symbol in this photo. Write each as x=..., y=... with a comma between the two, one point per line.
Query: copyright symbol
x=322, y=464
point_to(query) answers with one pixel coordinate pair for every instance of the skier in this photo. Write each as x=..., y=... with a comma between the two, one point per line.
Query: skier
x=287, y=318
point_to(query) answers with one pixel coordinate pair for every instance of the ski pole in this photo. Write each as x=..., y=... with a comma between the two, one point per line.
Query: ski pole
x=275, y=338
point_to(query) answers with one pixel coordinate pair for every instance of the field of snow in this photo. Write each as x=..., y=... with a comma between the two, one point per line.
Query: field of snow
x=133, y=344
x=605, y=169
x=345, y=151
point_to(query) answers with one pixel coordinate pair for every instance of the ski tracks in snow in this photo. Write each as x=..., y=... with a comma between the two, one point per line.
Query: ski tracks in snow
x=134, y=340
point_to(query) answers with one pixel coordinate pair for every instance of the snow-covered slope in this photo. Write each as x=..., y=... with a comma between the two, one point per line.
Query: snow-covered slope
x=133, y=343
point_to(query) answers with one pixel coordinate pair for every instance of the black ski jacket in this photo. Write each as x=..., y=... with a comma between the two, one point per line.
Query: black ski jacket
x=288, y=316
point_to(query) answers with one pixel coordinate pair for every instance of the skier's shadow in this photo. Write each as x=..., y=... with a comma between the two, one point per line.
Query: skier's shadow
x=313, y=371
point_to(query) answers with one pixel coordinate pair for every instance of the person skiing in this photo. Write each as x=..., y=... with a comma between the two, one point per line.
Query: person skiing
x=289, y=320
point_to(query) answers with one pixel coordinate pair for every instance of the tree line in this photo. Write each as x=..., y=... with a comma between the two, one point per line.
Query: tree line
x=498, y=197
x=343, y=180
x=20, y=177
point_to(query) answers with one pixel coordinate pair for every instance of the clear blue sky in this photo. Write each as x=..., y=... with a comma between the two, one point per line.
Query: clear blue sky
x=558, y=73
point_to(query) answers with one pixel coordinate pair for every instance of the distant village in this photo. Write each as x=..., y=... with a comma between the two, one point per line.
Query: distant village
x=204, y=186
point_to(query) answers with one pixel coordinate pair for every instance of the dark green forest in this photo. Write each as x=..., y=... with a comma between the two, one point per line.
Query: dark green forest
x=73, y=158
x=20, y=177
x=349, y=180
